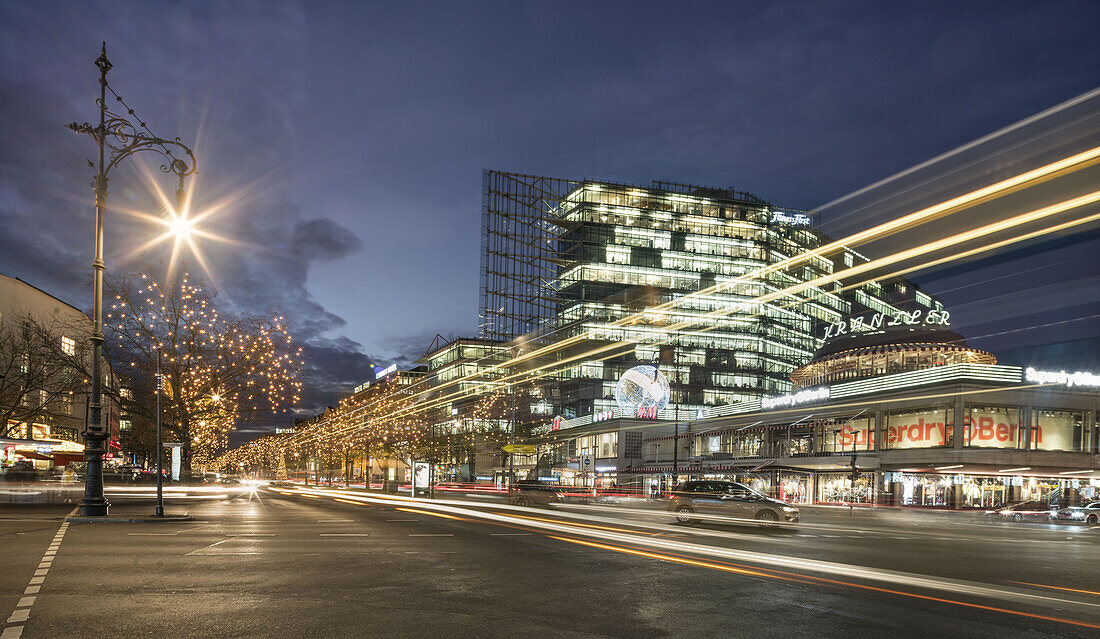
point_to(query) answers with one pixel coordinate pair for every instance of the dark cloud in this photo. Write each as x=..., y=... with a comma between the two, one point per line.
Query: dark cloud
x=323, y=239
x=343, y=142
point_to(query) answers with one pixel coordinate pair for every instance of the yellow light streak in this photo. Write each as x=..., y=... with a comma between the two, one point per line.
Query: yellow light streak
x=954, y=205
x=786, y=576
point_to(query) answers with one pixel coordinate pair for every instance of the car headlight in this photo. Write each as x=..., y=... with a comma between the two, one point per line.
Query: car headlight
x=790, y=509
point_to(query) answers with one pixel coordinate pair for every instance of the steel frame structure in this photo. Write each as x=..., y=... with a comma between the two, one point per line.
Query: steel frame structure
x=520, y=252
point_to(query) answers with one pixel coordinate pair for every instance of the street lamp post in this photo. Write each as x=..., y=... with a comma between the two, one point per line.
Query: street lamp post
x=117, y=138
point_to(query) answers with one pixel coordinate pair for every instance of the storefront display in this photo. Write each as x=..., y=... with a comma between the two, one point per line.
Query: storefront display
x=845, y=436
x=1059, y=430
x=918, y=428
x=794, y=489
x=838, y=488
x=993, y=427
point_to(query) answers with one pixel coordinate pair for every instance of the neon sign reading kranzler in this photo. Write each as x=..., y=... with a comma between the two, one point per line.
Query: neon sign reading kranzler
x=877, y=321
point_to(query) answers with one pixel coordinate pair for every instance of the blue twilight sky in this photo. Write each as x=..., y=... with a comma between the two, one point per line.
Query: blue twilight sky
x=349, y=138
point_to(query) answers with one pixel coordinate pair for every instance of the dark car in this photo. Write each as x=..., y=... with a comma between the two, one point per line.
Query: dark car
x=1086, y=514
x=21, y=471
x=1026, y=511
x=727, y=499
x=531, y=492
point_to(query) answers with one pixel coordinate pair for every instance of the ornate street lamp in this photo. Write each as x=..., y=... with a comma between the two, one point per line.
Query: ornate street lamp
x=117, y=138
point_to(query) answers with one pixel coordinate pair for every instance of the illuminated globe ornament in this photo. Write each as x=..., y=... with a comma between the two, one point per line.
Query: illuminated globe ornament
x=642, y=387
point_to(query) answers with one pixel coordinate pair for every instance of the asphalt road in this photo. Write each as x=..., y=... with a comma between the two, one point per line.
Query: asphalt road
x=275, y=565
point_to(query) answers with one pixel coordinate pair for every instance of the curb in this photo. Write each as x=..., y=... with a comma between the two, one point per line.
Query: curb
x=125, y=519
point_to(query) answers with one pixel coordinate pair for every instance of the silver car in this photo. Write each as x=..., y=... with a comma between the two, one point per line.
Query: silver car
x=1086, y=514
x=727, y=499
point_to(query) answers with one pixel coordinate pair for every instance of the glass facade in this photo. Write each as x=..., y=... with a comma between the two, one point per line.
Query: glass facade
x=930, y=427
x=629, y=252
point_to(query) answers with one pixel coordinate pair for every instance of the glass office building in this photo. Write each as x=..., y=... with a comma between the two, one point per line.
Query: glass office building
x=695, y=279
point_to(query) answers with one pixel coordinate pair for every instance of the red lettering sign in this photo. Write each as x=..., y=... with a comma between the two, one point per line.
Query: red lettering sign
x=988, y=431
x=921, y=433
x=646, y=412
x=853, y=438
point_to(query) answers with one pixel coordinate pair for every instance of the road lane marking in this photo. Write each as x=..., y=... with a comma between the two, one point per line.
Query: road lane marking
x=431, y=535
x=19, y=615
x=345, y=534
x=216, y=543
x=402, y=520
x=335, y=521
x=510, y=534
x=22, y=610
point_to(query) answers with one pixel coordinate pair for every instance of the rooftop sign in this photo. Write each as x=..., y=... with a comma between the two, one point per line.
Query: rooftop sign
x=794, y=399
x=1080, y=378
x=878, y=321
x=793, y=219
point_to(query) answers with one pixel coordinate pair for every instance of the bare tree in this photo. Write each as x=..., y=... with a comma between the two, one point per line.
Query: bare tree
x=42, y=369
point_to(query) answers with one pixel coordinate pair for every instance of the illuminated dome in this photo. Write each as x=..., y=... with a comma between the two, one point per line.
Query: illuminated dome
x=641, y=387
x=886, y=353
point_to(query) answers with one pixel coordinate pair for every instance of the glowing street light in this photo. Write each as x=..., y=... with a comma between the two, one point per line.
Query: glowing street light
x=117, y=138
x=181, y=228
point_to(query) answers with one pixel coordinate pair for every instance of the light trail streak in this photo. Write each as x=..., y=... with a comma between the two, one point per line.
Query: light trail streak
x=430, y=513
x=833, y=569
x=809, y=579
x=1072, y=163
x=574, y=523
x=1087, y=592
x=1084, y=97
x=929, y=247
x=1003, y=225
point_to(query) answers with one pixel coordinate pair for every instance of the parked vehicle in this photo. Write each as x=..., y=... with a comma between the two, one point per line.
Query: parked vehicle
x=1026, y=511
x=728, y=499
x=531, y=492
x=1086, y=514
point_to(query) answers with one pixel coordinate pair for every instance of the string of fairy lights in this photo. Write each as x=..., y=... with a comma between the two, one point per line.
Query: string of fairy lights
x=421, y=398
x=216, y=370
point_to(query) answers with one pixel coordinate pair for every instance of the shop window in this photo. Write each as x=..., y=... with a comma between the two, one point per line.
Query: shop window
x=1059, y=430
x=835, y=436
x=929, y=427
x=993, y=427
x=839, y=488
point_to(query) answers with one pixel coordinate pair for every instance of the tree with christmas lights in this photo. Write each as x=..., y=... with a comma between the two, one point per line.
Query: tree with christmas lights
x=218, y=369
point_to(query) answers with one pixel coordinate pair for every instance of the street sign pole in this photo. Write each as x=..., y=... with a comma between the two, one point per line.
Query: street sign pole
x=159, y=509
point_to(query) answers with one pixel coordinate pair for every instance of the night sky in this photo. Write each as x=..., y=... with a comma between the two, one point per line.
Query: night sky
x=348, y=139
